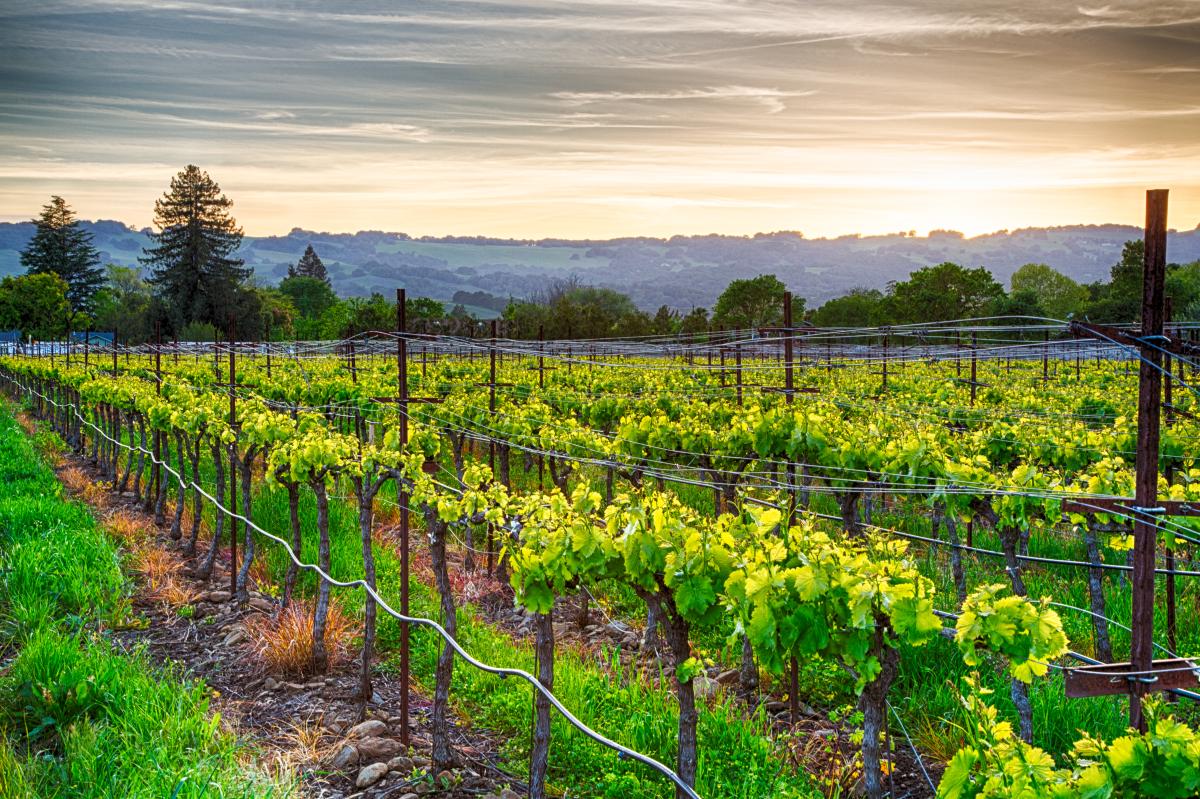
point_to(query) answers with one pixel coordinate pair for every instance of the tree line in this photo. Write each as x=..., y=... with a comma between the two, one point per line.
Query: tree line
x=191, y=286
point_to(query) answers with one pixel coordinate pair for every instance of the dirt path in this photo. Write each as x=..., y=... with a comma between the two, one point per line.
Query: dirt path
x=315, y=728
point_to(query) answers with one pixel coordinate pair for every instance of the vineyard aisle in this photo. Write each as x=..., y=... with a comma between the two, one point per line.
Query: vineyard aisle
x=146, y=621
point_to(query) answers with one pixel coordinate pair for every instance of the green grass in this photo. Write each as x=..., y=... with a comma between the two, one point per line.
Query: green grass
x=737, y=754
x=78, y=719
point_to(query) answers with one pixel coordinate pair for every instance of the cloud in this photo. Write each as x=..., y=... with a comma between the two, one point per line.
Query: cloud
x=771, y=99
x=739, y=112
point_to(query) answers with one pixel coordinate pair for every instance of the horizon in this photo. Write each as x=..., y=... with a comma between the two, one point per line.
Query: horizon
x=949, y=232
x=607, y=118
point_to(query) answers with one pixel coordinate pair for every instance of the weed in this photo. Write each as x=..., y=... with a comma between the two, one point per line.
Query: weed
x=283, y=642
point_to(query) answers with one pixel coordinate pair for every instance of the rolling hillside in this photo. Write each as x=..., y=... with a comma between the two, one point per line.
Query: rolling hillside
x=682, y=271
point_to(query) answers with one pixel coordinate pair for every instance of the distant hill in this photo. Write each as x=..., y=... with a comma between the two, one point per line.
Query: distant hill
x=681, y=272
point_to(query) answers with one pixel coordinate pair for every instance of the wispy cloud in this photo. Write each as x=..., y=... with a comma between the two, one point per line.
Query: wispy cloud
x=771, y=99
x=533, y=117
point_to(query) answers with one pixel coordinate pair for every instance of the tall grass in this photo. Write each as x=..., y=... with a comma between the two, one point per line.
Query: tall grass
x=78, y=719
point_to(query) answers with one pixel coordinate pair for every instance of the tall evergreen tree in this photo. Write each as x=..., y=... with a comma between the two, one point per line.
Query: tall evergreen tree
x=191, y=263
x=61, y=247
x=309, y=265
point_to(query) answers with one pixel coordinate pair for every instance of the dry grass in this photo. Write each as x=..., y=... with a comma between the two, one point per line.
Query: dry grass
x=129, y=528
x=306, y=743
x=175, y=593
x=156, y=564
x=75, y=479
x=161, y=570
x=283, y=642
x=387, y=514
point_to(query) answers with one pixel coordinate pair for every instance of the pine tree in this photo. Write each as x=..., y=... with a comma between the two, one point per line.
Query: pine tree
x=309, y=265
x=191, y=265
x=61, y=247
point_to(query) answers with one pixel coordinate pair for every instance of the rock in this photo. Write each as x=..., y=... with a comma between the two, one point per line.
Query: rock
x=272, y=684
x=420, y=760
x=401, y=764
x=371, y=775
x=509, y=793
x=445, y=777
x=236, y=637
x=348, y=756
x=215, y=596
x=618, y=628
x=376, y=748
x=367, y=729
x=728, y=677
x=265, y=605
x=705, y=687
x=410, y=795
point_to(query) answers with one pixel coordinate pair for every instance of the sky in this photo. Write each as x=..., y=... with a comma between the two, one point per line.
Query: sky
x=606, y=118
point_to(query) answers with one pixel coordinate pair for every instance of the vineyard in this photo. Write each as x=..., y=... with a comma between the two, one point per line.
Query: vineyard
x=785, y=562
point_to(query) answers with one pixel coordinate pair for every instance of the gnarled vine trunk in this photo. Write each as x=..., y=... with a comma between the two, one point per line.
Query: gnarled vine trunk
x=320, y=657
x=539, y=756
x=443, y=753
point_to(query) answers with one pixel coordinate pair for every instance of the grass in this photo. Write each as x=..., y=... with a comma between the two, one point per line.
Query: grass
x=738, y=756
x=283, y=642
x=78, y=719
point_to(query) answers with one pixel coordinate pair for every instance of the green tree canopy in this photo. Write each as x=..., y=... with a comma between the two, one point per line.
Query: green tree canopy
x=123, y=306
x=418, y=309
x=694, y=321
x=1120, y=300
x=943, y=292
x=192, y=264
x=860, y=308
x=1057, y=295
x=34, y=304
x=61, y=247
x=570, y=310
x=755, y=302
x=665, y=321
x=311, y=296
x=1183, y=287
x=309, y=265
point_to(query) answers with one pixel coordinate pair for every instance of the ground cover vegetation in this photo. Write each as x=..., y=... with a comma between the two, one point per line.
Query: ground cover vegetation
x=656, y=491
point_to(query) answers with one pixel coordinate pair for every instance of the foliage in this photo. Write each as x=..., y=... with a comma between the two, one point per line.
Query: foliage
x=123, y=305
x=754, y=303
x=860, y=308
x=1029, y=635
x=945, y=291
x=309, y=266
x=1055, y=293
x=1120, y=300
x=36, y=305
x=192, y=264
x=61, y=247
x=1162, y=763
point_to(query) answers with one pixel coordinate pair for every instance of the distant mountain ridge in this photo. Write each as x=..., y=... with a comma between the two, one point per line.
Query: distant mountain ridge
x=681, y=272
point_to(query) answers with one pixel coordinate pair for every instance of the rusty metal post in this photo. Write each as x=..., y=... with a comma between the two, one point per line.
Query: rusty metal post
x=402, y=496
x=974, y=351
x=491, y=557
x=1145, y=528
x=233, y=567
